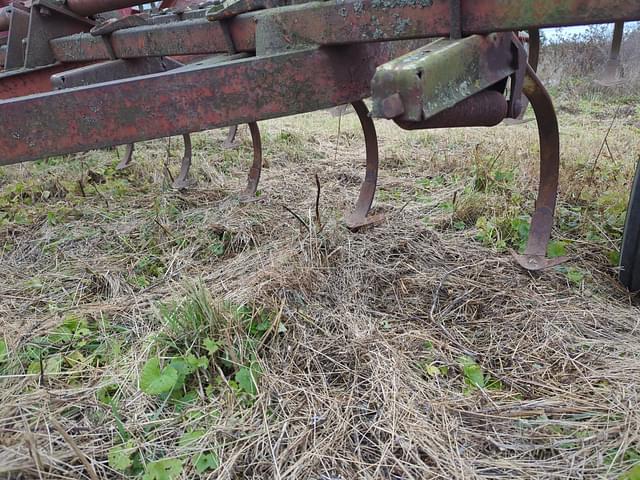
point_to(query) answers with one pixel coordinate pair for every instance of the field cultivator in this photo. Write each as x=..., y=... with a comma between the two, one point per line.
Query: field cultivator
x=30, y=67
x=85, y=81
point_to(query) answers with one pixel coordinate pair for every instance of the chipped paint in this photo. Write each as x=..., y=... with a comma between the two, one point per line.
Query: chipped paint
x=400, y=24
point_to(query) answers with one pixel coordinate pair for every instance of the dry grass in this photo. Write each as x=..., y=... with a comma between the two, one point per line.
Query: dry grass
x=367, y=378
x=571, y=63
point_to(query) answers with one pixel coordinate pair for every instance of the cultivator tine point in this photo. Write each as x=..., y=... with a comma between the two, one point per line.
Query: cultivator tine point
x=359, y=218
x=230, y=141
x=182, y=182
x=249, y=193
x=534, y=257
x=127, y=158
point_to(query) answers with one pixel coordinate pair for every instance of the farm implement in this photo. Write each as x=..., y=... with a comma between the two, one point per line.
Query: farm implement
x=30, y=66
x=82, y=81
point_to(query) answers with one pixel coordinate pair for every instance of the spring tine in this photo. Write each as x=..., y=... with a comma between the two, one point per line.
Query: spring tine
x=358, y=217
x=542, y=220
x=128, y=157
x=253, y=178
x=183, y=181
x=230, y=141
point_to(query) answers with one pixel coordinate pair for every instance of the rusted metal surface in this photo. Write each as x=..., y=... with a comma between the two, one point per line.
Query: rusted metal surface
x=187, y=37
x=345, y=22
x=18, y=83
x=87, y=8
x=183, y=180
x=117, y=70
x=359, y=217
x=253, y=178
x=111, y=70
x=189, y=99
x=355, y=21
x=542, y=219
x=115, y=24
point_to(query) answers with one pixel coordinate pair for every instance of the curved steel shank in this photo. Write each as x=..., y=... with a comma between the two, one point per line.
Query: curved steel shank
x=542, y=220
x=253, y=178
x=358, y=217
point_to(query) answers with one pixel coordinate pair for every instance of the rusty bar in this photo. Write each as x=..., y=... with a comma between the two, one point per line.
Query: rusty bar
x=353, y=21
x=80, y=47
x=87, y=8
x=189, y=99
x=17, y=83
x=111, y=70
x=187, y=37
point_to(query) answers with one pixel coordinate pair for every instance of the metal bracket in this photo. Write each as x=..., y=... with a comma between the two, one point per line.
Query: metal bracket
x=18, y=28
x=226, y=31
x=515, y=105
x=438, y=76
x=47, y=21
x=455, y=10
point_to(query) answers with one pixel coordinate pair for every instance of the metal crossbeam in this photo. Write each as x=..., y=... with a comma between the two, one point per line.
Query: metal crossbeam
x=189, y=99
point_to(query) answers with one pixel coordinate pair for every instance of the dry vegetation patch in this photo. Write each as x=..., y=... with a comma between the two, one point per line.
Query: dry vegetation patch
x=184, y=334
